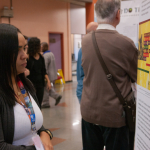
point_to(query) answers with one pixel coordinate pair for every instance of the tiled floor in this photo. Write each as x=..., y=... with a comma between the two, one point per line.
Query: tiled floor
x=64, y=120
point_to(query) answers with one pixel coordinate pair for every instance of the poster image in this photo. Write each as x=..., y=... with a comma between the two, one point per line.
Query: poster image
x=129, y=23
x=142, y=135
x=143, y=78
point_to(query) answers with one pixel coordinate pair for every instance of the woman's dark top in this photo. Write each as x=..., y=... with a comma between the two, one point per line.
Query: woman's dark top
x=37, y=71
x=7, y=125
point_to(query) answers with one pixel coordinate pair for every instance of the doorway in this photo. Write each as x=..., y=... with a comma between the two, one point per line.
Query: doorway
x=56, y=47
x=76, y=40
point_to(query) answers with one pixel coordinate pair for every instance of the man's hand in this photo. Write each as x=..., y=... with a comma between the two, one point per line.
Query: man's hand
x=46, y=141
x=49, y=85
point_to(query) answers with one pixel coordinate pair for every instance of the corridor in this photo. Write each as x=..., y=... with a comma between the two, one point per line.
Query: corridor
x=64, y=120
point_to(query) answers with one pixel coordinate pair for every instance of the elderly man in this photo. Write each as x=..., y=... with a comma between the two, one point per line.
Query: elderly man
x=92, y=26
x=102, y=113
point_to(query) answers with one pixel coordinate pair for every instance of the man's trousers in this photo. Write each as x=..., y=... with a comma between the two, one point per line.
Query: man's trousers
x=95, y=137
x=50, y=93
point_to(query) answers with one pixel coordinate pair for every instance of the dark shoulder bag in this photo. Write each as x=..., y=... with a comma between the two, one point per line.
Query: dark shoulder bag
x=128, y=102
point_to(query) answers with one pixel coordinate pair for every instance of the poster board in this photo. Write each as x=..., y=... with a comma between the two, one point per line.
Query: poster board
x=129, y=22
x=142, y=137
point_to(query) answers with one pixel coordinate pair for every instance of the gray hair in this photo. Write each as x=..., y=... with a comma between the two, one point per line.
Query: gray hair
x=106, y=10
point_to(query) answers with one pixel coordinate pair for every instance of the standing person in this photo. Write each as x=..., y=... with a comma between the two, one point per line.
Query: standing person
x=52, y=74
x=36, y=66
x=20, y=117
x=103, y=114
x=92, y=26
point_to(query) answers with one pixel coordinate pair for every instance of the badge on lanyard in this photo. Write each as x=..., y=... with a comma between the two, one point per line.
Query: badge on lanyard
x=31, y=114
x=29, y=109
x=37, y=142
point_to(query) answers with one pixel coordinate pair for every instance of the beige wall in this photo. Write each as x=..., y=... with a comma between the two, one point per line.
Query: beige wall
x=38, y=17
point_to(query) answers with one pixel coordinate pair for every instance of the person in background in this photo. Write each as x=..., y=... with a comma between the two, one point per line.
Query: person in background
x=52, y=74
x=102, y=112
x=36, y=66
x=20, y=117
x=92, y=26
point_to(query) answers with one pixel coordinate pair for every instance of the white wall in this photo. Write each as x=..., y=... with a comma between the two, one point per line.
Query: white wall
x=77, y=19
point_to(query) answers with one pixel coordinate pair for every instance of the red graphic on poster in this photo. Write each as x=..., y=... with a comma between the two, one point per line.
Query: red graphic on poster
x=148, y=65
x=146, y=55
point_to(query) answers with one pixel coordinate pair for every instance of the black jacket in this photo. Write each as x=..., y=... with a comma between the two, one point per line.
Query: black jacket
x=7, y=126
x=31, y=65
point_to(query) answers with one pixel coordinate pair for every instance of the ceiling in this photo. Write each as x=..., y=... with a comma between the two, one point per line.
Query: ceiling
x=82, y=2
x=77, y=2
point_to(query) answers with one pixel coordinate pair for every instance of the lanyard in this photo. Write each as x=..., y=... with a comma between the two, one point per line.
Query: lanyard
x=29, y=109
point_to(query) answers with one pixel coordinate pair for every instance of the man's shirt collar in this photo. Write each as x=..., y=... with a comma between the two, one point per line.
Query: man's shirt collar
x=106, y=26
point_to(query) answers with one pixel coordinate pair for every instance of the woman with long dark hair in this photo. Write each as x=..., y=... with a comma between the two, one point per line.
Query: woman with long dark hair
x=20, y=117
x=36, y=66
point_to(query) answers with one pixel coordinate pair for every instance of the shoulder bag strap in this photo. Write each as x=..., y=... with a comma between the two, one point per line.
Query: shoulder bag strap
x=108, y=74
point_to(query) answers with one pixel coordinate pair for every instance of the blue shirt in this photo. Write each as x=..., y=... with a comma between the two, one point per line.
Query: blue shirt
x=80, y=76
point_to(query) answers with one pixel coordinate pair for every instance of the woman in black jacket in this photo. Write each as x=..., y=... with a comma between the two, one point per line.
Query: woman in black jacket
x=36, y=66
x=20, y=117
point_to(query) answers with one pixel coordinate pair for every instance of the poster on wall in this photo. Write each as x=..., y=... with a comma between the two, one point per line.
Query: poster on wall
x=129, y=22
x=142, y=137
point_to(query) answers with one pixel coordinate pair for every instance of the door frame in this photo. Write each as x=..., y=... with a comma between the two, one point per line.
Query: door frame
x=62, y=47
